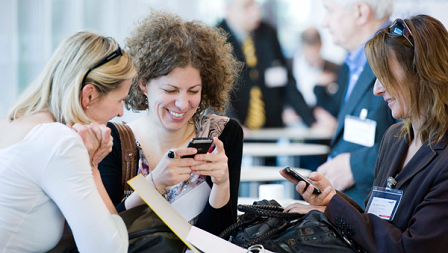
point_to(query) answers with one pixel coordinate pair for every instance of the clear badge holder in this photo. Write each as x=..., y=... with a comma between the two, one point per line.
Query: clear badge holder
x=384, y=201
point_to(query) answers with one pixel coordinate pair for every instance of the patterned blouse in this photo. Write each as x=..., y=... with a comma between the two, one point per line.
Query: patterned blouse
x=208, y=126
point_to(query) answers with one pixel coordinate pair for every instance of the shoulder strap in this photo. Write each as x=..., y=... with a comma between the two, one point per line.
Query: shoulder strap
x=128, y=156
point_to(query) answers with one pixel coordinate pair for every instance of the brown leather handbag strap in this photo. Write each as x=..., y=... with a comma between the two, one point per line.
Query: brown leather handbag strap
x=128, y=156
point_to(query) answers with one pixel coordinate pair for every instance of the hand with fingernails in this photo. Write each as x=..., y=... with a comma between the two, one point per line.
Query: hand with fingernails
x=172, y=170
x=215, y=164
x=97, y=139
x=316, y=201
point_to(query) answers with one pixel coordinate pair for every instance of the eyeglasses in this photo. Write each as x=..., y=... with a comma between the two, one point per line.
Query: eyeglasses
x=107, y=59
x=400, y=28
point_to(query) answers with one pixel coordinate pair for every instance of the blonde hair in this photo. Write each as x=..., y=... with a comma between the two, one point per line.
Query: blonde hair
x=426, y=66
x=58, y=88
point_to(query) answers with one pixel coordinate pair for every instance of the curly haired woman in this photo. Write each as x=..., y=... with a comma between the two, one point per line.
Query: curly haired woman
x=184, y=69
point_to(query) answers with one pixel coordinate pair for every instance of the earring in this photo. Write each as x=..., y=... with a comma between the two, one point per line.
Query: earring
x=87, y=107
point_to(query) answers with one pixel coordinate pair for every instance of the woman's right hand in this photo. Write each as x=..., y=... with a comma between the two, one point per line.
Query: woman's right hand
x=321, y=182
x=318, y=180
x=169, y=171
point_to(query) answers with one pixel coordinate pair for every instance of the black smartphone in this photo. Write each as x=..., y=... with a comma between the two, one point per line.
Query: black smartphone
x=203, y=145
x=299, y=177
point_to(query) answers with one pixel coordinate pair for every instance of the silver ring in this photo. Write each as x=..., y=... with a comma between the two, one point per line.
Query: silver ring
x=213, y=169
x=171, y=154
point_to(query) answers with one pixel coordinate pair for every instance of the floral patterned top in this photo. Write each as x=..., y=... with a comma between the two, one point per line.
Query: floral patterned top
x=208, y=126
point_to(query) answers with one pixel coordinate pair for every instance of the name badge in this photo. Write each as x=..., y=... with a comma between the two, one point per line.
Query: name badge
x=276, y=77
x=384, y=202
x=360, y=130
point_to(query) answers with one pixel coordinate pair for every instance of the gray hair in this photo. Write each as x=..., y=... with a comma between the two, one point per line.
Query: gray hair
x=380, y=8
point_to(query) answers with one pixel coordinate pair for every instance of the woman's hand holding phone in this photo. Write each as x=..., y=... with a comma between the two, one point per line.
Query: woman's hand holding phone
x=217, y=168
x=169, y=171
x=317, y=180
x=320, y=181
x=216, y=164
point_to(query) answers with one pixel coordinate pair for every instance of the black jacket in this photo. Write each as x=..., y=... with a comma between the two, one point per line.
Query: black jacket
x=269, y=54
x=420, y=223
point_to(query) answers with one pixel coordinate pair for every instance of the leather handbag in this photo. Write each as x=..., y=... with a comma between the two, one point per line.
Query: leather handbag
x=148, y=233
x=129, y=156
x=265, y=223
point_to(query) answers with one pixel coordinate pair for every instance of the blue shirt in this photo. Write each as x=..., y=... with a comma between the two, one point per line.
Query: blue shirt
x=356, y=62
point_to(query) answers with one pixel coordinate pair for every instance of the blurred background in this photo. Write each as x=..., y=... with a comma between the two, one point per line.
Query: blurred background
x=30, y=30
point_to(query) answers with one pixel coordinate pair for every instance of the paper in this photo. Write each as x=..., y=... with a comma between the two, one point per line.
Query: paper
x=382, y=207
x=276, y=77
x=359, y=131
x=192, y=203
x=210, y=243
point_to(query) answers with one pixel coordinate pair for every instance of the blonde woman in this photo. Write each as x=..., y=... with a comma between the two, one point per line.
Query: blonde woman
x=46, y=172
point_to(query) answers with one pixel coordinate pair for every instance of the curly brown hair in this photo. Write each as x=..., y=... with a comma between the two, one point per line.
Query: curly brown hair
x=162, y=42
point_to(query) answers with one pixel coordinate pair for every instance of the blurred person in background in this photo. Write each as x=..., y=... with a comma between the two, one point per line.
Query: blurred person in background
x=363, y=118
x=315, y=78
x=311, y=70
x=265, y=85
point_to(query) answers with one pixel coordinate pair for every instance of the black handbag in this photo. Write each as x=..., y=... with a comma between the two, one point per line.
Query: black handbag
x=265, y=223
x=148, y=233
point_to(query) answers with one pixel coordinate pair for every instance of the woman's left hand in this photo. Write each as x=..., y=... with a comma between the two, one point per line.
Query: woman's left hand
x=302, y=208
x=216, y=164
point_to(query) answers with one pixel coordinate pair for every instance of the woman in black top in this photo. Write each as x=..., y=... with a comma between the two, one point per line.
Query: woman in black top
x=184, y=69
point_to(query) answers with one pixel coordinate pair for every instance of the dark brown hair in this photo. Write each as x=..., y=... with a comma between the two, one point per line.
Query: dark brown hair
x=426, y=67
x=162, y=42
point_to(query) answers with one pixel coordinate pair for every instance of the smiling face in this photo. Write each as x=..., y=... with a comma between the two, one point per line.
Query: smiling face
x=173, y=99
x=399, y=103
x=105, y=107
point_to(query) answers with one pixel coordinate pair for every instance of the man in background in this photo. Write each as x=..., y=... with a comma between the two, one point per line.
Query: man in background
x=265, y=84
x=363, y=118
x=313, y=72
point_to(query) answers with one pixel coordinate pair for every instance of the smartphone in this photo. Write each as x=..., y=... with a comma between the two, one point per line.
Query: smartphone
x=203, y=145
x=299, y=177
